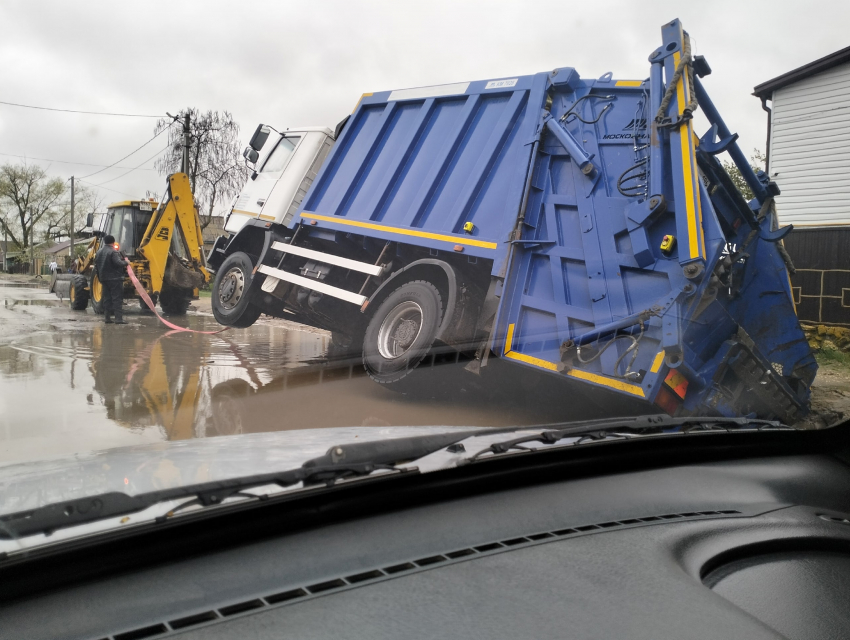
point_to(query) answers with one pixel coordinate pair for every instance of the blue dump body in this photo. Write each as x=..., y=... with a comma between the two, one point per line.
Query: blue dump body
x=616, y=249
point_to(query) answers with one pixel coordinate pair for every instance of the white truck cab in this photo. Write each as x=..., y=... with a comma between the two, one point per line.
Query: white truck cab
x=283, y=175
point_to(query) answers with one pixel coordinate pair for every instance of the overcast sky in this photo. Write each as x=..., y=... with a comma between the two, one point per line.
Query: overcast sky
x=305, y=63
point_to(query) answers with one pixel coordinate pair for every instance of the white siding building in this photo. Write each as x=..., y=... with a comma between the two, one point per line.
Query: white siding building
x=809, y=158
x=809, y=152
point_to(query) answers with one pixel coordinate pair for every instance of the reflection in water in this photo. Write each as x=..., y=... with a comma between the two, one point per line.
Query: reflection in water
x=81, y=390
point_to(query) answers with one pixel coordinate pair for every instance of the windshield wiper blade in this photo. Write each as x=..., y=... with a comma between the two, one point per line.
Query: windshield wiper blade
x=341, y=462
x=626, y=428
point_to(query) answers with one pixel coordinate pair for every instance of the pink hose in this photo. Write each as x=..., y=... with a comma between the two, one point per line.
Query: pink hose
x=144, y=296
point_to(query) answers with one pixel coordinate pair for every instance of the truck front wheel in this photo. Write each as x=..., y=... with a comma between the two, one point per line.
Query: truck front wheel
x=402, y=331
x=230, y=303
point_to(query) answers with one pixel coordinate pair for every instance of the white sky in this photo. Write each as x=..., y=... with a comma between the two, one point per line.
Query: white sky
x=304, y=63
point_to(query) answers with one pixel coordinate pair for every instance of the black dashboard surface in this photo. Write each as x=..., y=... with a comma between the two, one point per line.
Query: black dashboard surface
x=737, y=549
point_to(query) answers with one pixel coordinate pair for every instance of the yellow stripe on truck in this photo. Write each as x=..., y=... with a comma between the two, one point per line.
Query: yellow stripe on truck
x=628, y=83
x=605, y=381
x=656, y=364
x=688, y=161
x=405, y=232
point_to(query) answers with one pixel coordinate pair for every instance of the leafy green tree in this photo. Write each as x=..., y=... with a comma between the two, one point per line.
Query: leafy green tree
x=757, y=162
x=27, y=195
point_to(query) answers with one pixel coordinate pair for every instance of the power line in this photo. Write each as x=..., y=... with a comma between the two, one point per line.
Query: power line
x=93, y=113
x=134, y=168
x=107, y=188
x=128, y=155
x=82, y=164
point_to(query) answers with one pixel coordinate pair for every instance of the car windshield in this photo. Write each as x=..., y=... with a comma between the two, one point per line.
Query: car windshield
x=482, y=228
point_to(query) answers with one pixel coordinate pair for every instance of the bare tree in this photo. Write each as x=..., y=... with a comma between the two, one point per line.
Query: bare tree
x=27, y=195
x=57, y=222
x=216, y=169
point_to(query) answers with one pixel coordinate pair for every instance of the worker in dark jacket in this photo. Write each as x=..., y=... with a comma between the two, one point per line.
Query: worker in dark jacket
x=110, y=267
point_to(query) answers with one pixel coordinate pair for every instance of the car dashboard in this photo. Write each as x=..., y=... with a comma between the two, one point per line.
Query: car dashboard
x=718, y=543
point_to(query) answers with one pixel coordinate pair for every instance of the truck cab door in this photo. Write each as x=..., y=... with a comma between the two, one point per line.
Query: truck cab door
x=256, y=191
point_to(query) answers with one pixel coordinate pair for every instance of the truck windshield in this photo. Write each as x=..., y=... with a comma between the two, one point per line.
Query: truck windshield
x=280, y=156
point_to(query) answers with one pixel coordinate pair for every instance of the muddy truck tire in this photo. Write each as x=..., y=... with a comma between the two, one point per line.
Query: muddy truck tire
x=401, y=332
x=230, y=303
x=78, y=294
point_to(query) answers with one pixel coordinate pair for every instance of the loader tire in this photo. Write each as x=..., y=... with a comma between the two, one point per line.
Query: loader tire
x=143, y=306
x=96, y=294
x=78, y=294
x=401, y=332
x=174, y=301
x=230, y=303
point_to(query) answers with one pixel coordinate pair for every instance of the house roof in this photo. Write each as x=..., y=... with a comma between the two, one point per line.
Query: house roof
x=59, y=246
x=766, y=89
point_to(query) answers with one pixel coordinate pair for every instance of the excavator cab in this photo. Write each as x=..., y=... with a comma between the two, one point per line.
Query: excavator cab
x=163, y=242
x=127, y=222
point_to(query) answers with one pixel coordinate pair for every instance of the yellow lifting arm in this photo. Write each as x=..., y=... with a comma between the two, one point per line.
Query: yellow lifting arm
x=177, y=211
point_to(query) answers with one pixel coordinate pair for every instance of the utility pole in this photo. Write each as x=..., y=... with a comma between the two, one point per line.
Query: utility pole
x=186, y=142
x=71, y=246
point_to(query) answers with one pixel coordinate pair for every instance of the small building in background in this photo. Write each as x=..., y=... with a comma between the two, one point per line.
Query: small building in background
x=212, y=231
x=808, y=156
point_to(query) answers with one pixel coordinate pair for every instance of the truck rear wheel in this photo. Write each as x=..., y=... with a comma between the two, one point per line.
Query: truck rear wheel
x=230, y=303
x=78, y=294
x=402, y=331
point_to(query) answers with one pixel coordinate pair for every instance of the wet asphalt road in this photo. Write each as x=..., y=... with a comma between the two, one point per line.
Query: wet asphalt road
x=70, y=384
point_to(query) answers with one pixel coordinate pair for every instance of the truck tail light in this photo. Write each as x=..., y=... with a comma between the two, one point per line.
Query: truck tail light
x=667, y=401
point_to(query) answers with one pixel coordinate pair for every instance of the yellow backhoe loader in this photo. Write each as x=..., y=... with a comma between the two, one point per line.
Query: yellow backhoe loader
x=163, y=243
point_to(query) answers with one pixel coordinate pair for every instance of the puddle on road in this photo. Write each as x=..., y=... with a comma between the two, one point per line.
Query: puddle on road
x=103, y=386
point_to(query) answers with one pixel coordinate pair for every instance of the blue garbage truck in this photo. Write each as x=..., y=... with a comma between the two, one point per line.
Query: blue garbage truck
x=577, y=226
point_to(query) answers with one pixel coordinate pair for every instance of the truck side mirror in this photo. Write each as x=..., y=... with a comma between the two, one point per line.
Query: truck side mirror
x=251, y=155
x=90, y=220
x=259, y=138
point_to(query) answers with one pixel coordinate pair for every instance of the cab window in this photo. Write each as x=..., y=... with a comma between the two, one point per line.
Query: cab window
x=280, y=156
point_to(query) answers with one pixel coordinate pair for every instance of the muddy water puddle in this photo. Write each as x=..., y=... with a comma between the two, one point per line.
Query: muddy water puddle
x=89, y=386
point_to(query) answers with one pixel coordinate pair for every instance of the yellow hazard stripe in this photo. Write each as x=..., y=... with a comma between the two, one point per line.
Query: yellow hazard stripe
x=365, y=95
x=619, y=385
x=605, y=381
x=688, y=161
x=405, y=232
x=244, y=213
x=628, y=83
x=656, y=364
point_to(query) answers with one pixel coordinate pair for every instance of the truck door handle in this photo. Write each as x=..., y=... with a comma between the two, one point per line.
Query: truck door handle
x=261, y=202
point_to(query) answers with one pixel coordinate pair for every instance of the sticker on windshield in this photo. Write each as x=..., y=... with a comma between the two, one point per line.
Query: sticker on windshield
x=501, y=84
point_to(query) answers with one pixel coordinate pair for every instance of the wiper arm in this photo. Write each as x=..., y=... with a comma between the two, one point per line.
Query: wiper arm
x=340, y=462
x=631, y=428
